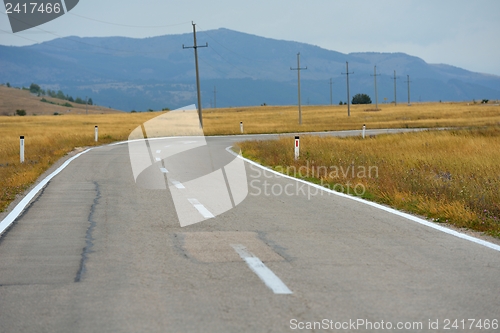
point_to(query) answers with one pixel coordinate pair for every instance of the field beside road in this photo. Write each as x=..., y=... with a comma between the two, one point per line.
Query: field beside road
x=448, y=176
x=49, y=137
x=280, y=119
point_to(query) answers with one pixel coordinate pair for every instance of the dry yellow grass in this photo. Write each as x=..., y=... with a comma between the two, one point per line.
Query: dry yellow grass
x=48, y=138
x=449, y=176
x=280, y=119
x=12, y=99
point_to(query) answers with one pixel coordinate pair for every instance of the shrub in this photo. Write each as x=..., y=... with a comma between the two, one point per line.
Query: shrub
x=361, y=99
x=21, y=112
x=35, y=88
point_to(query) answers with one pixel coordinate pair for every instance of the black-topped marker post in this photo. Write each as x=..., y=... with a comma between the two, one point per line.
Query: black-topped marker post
x=21, y=148
x=297, y=147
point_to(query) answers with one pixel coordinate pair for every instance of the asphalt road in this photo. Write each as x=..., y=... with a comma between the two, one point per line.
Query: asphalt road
x=101, y=249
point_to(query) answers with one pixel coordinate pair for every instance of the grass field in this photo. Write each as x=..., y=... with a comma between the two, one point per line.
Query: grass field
x=279, y=119
x=49, y=137
x=449, y=176
x=12, y=99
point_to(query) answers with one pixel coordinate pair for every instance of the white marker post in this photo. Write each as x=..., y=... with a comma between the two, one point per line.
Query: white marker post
x=96, y=134
x=21, y=148
x=364, y=130
x=297, y=147
x=241, y=126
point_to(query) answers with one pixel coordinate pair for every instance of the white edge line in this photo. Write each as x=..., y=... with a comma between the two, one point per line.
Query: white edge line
x=271, y=280
x=14, y=214
x=242, y=136
x=379, y=206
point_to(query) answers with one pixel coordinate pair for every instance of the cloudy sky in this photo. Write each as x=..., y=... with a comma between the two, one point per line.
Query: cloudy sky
x=461, y=33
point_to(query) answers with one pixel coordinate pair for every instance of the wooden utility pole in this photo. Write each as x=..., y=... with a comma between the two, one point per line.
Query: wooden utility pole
x=348, y=95
x=298, y=69
x=195, y=47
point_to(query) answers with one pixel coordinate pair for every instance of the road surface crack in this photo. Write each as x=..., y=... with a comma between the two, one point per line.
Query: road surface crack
x=89, y=239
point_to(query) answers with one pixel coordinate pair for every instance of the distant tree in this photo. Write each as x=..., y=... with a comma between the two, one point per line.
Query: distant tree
x=361, y=99
x=485, y=101
x=341, y=103
x=8, y=85
x=78, y=100
x=90, y=102
x=34, y=88
x=21, y=112
x=70, y=99
x=60, y=95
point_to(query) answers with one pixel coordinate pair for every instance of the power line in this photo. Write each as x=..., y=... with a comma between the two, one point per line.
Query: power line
x=236, y=53
x=298, y=69
x=195, y=47
x=128, y=25
x=348, y=97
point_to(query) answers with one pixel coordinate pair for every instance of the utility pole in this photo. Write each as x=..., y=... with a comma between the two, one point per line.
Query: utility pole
x=408, y=81
x=348, y=96
x=298, y=69
x=195, y=47
x=215, y=98
x=86, y=105
x=395, y=102
x=376, y=93
x=331, y=92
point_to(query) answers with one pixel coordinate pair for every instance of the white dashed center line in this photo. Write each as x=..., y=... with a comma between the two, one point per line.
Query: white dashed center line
x=177, y=184
x=164, y=170
x=265, y=274
x=202, y=209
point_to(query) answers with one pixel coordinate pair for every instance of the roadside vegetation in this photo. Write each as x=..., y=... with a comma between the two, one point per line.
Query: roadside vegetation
x=447, y=176
x=461, y=165
x=48, y=138
x=284, y=119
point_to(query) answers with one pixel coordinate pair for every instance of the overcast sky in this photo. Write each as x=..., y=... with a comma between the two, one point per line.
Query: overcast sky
x=462, y=33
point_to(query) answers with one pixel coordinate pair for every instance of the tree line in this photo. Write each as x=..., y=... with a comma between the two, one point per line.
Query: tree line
x=35, y=89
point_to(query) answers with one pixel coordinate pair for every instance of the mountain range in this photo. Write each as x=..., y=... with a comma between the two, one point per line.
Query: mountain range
x=236, y=69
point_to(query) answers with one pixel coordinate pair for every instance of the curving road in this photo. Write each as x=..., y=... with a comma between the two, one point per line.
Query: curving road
x=101, y=249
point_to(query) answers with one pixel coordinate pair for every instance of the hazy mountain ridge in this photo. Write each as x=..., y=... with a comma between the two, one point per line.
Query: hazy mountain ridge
x=157, y=72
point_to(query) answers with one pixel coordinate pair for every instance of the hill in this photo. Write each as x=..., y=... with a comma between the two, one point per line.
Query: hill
x=12, y=99
x=245, y=69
